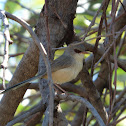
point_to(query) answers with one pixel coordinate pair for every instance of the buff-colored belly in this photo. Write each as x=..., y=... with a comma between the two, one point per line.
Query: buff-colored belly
x=63, y=75
x=66, y=74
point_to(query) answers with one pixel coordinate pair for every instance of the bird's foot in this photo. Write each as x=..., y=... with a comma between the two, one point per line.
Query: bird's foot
x=59, y=89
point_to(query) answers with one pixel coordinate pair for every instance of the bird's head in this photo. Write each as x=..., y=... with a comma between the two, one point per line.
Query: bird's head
x=76, y=49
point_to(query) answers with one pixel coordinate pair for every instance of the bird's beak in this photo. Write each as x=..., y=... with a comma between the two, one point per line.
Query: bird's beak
x=84, y=52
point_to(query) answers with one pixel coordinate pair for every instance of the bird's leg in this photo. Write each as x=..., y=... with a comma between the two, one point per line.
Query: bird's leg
x=60, y=88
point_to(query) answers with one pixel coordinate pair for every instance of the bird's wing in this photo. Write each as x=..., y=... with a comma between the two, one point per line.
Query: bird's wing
x=62, y=62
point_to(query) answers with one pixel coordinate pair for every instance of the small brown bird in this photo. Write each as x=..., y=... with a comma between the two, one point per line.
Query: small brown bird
x=64, y=69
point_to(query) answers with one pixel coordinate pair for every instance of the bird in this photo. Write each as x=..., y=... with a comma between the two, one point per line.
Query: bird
x=64, y=69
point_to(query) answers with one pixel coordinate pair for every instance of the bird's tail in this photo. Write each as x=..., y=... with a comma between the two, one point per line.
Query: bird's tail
x=21, y=83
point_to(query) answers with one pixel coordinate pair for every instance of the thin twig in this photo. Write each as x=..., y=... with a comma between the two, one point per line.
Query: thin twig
x=110, y=46
x=96, y=44
x=115, y=123
x=117, y=106
x=112, y=30
x=46, y=118
x=121, y=110
x=13, y=55
x=99, y=33
x=93, y=21
x=7, y=42
x=121, y=44
x=85, y=102
x=39, y=107
x=120, y=96
x=24, y=7
x=122, y=6
x=50, y=82
x=117, y=18
x=85, y=117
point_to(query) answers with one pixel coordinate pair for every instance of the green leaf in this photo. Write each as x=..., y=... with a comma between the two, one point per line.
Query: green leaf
x=11, y=6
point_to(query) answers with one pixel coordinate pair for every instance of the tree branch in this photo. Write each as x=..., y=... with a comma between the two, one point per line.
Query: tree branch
x=86, y=103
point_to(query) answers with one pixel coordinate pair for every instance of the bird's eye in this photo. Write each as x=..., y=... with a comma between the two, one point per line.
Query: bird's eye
x=77, y=51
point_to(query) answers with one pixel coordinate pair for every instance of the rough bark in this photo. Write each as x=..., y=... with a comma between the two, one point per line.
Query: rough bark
x=59, y=117
x=93, y=94
x=27, y=68
x=60, y=26
x=61, y=30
